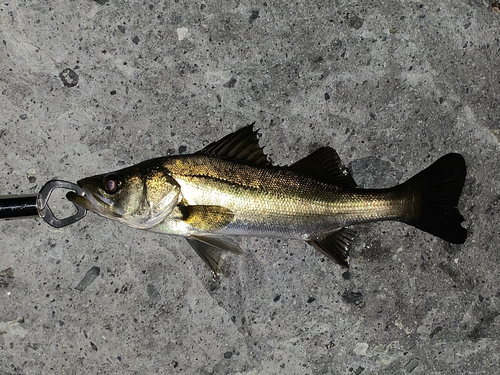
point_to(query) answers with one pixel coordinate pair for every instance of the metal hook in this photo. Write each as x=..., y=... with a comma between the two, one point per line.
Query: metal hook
x=46, y=213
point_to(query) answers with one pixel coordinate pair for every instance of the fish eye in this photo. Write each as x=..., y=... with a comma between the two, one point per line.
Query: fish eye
x=111, y=183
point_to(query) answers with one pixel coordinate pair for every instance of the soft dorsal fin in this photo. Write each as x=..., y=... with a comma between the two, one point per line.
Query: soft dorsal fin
x=242, y=145
x=325, y=165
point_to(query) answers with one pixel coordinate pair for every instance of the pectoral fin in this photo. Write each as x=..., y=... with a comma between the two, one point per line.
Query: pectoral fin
x=335, y=245
x=210, y=250
x=206, y=218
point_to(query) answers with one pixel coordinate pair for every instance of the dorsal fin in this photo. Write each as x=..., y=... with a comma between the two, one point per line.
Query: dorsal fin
x=325, y=165
x=242, y=145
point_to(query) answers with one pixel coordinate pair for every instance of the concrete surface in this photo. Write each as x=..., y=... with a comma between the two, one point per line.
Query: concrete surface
x=87, y=87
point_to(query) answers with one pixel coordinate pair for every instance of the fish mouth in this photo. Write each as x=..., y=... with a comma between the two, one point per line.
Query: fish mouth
x=81, y=200
x=89, y=200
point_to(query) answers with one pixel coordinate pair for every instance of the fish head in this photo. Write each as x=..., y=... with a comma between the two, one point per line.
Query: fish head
x=140, y=196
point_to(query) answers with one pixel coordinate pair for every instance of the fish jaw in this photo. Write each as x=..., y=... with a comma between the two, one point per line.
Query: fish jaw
x=88, y=201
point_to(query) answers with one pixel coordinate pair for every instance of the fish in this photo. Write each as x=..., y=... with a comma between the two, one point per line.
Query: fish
x=230, y=188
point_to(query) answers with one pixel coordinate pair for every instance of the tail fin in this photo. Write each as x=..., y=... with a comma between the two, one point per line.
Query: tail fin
x=437, y=190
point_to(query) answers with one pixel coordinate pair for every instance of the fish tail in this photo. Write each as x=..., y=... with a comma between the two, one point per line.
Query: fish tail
x=436, y=191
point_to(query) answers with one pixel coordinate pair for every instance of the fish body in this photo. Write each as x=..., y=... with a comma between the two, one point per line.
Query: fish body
x=229, y=188
x=271, y=201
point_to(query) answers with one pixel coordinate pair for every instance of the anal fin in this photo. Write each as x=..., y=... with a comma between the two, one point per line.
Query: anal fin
x=335, y=245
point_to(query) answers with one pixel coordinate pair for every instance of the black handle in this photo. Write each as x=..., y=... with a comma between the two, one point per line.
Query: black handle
x=18, y=206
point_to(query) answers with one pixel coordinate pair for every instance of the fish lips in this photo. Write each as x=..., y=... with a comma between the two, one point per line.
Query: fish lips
x=90, y=201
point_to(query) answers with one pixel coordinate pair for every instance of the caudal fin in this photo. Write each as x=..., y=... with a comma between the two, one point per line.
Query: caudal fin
x=436, y=191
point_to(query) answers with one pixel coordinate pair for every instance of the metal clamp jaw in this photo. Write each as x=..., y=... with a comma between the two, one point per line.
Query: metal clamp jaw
x=46, y=213
x=33, y=205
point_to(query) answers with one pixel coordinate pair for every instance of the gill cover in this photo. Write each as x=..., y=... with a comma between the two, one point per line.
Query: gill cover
x=162, y=194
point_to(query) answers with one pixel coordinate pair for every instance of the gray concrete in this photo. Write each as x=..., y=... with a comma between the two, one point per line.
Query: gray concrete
x=90, y=86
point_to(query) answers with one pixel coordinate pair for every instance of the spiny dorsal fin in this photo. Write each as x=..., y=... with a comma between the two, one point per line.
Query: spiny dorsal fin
x=206, y=218
x=335, y=245
x=242, y=145
x=325, y=165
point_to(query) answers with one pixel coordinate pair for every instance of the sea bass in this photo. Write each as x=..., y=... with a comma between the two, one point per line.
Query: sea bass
x=230, y=188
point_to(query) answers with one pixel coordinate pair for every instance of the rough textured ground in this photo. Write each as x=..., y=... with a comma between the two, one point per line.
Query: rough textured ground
x=90, y=86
